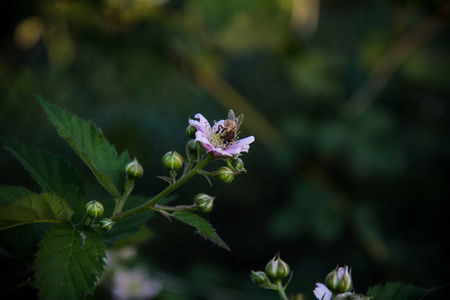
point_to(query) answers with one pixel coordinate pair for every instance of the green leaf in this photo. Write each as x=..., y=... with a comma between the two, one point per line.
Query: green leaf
x=53, y=173
x=68, y=262
x=397, y=291
x=91, y=146
x=9, y=193
x=46, y=207
x=203, y=227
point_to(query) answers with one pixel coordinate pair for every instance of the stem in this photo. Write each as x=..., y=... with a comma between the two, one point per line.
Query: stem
x=175, y=208
x=128, y=188
x=89, y=221
x=280, y=290
x=150, y=204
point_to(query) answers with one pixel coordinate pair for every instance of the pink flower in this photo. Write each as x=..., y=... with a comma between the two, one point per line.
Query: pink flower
x=213, y=142
x=322, y=292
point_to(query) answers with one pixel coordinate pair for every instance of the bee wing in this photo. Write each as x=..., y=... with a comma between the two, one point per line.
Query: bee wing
x=239, y=120
x=231, y=115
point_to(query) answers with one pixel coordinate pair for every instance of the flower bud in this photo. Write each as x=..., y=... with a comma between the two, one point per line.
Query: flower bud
x=190, y=131
x=277, y=269
x=134, y=169
x=204, y=202
x=172, y=160
x=225, y=174
x=237, y=164
x=106, y=224
x=339, y=280
x=260, y=278
x=191, y=149
x=94, y=209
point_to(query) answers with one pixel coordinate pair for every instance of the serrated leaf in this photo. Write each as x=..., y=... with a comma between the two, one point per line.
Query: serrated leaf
x=34, y=208
x=91, y=146
x=53, y=173
x=397, y=291
x=22, y=241
x=68, y=262
x=203, y=227
x=9, y=193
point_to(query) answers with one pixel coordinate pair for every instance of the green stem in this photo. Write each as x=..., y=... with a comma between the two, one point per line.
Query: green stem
x=280, y=290
x=128, y=188
x=89, y=221
x=150, y=204
x=174, y=208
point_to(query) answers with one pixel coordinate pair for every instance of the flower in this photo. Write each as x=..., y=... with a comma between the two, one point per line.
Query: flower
x=214, y=143
x=322, y=292
x=134, y=284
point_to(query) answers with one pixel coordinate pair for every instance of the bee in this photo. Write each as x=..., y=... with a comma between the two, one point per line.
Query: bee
x=229, y=131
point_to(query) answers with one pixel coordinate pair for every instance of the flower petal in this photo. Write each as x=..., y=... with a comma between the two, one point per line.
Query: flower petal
x=322, y=292
x=240, y=145
x=201, y=137
x=219, y=152
x=202, y=124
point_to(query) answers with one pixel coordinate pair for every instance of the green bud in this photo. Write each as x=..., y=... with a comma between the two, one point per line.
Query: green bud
x=277, y=269
x=191, y=149
x=225, y=174
x=204, y=202
x=106, y=224
x=94, y=209
x=260, y=279
x=237, y=164
x=172, y=160
x=339, y=280
x=134, y=169
x=190, y=131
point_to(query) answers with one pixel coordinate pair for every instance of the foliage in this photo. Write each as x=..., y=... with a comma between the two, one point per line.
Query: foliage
x=347, y=101
x=397, y=290
x=71, y=254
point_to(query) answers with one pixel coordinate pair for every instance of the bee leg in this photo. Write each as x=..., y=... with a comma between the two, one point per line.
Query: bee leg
x=220, y=129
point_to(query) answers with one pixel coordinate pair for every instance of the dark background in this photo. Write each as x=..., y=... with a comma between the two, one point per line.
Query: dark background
x=348, y=102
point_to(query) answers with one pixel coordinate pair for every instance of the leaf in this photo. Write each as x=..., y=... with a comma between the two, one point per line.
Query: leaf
x=397, y=291
x=46, y=207
x=20, y=240
x=203, y=227
x=9, y=193
x=68, y=262
x=91, y=146
x=53, y=173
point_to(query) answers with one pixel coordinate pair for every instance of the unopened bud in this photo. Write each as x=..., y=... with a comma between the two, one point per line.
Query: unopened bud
x=190, y=131
x=94, y=209
x=260, y=278
x=204, y=202
x=277, y=269
x=191, y=149
x=106, y=224
x=225, y=174
x=237, y=164
x=172, y=160
x=134, y=169
x=339, y=280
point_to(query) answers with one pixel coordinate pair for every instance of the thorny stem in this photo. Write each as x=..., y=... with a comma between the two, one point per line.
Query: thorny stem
x=151, y=203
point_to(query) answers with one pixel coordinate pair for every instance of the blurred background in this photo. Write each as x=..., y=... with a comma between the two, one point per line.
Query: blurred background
x=348, y=102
